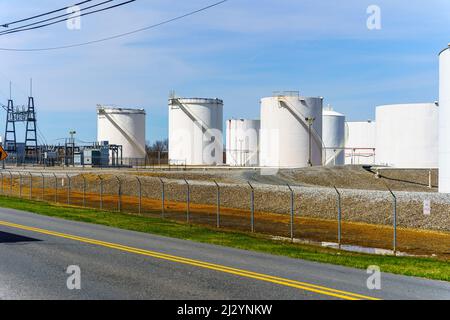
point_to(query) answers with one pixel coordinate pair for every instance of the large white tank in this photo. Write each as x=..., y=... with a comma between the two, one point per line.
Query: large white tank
x=243, y=142
x=407, y=135
x=333, y=136
x=125, y=127
x=285, y=138
x=444, y=121
x=196, y=131
x=360, y=142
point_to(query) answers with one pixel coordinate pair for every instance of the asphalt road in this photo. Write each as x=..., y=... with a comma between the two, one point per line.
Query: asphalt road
x=35, y=252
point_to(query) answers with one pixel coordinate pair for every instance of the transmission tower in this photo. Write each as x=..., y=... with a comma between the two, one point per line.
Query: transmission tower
x=21, y=114
x=31, y=145
x=10, y=133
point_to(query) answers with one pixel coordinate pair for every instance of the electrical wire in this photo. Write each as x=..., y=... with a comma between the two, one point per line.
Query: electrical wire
x=82, y=141
x=52, y=18
x=6, y=25
x=43, y=138
x=70, y=18
x=118, y=35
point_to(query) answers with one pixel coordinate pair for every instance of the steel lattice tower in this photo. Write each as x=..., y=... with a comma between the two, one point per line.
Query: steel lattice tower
x=10, y=142
x=31, y=144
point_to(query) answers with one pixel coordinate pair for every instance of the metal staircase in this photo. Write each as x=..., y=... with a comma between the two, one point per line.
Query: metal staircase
x=205, y=129
x=302, y=119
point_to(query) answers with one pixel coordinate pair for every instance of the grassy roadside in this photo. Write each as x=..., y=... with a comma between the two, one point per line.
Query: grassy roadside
x=419, y=267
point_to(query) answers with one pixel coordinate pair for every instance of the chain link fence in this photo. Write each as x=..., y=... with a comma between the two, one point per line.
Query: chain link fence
x=382, y=219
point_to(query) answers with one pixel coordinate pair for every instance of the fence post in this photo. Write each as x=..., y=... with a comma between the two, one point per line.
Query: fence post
x=163, y=197
x=2, y=181
x=140, y=194
x=43, y=186
x=101, y=191
x=430, y=186
x=218, y=204
x=84, y=190
x=188, y=202
x=10, y=183
x=252, y=207
x=31, y=185
x=69, y=186
x=20, y=185
x=339, y=217
x=119, y=193
x=394, y=218
x=56, y=188
x=394, y=206
x=292, y=212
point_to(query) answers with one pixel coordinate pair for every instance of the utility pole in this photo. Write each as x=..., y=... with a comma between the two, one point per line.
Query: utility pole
x=310, y=122
x=72, y=145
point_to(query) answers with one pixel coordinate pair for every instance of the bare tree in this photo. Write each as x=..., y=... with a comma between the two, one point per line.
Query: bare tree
x=158, y=146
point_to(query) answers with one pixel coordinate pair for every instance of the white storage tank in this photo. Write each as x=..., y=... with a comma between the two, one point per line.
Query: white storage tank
x=360, y=144
x=407, y=135
x=125, y=127
x=333, y=136
x=195, y=131
x=444, y=121
x=285, y=139
x=243, y=142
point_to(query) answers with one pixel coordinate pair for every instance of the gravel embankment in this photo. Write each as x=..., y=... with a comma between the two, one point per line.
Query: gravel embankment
x=364, y=198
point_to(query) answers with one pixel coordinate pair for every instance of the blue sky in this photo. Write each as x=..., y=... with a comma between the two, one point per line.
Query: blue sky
x=240, y=52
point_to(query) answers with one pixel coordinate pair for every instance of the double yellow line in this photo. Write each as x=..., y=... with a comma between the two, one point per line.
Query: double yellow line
x=239, y=272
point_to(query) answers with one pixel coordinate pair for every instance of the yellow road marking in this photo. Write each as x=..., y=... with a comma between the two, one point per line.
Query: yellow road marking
x=239, y=272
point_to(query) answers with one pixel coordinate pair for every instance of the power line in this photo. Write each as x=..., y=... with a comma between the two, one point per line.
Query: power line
x=50, y=19
x=43, y=138
x=70, y=18
x=6, y=25
x=118, y=35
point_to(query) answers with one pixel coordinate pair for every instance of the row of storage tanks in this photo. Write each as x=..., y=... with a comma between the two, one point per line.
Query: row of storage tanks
x=403, y=135
x=296, y=131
